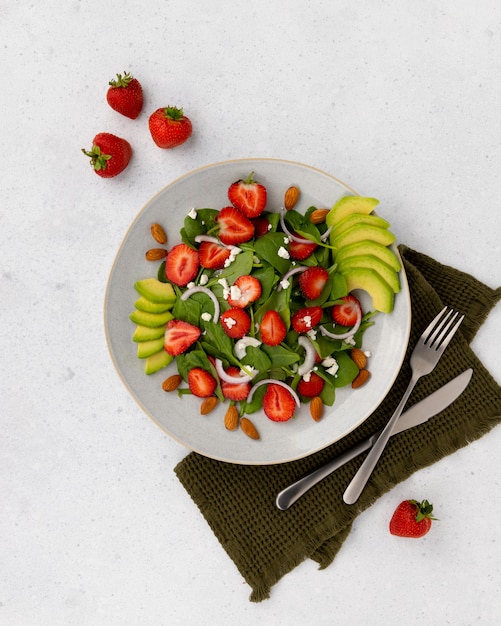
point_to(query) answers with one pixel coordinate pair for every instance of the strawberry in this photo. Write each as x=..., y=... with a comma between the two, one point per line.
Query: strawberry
x=346, y=314
x=169, y=127
x=234, y=227
x=246, y=289
x=272, y=328
x=412, y=519
x=312, y=387
x=306, y=319
x=201, y=382
x=182, y=264
x=278, y=403
x=235, y=391
x=235, y=322
x=109, y=155
x=312, y=281
x=179, y=336
x=261, y=226
x=125, y=95
x=212, y=256
x=248, y=196
x=300, y=251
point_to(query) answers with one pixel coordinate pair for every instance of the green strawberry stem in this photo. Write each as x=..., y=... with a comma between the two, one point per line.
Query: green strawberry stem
x=424, y=510
x=98, y=160
x=121, y=81
x=173, y=113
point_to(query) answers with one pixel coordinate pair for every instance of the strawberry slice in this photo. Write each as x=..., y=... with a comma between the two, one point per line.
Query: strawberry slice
x=300, y=251
x=346, y=314
x=261, y=226
x=311, y=387
x=235, y=322
x=278, y=403
x=182, y=264
x=212, y=256
x=248, y=196
x=246, y=289
x=272, y=328
x=201, y=382
x=312, y=281
x=235, y=391
x=179, y=336
x=305, y=319
x=234, y=227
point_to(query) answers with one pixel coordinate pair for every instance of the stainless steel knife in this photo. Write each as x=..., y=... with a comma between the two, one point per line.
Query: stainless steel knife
x=418, y=414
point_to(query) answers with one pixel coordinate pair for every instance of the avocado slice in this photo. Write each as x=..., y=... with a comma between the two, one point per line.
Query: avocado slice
x=361, y=232
x=350, y=204
x=372, y=262
x=369, y=247
x=143, y=304
x=157, y=361
x=147, y=333
x=147, y=348
x=152, y=320
x=370, y=281
x=359, y=218
x=156, y=291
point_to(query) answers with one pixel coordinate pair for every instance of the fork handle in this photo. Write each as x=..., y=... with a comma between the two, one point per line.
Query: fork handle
x=358, y=482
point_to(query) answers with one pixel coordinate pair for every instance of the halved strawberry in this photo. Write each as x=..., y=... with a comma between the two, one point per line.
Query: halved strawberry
x=346, y=314
x=305, y=319
x=278, y=403
x=212, y=256
x=311, y=387
x=301, y=251
x=234, y=227
x=235, y=391
x=272, y=328
x=248, y=196
x=179, y=336
x=235, y=322
x=312, y=281
x=246, y=289
x=182, y=264
x=201, y=382
x=261, y=226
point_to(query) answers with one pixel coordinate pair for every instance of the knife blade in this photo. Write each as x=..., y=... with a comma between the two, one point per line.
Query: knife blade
x=417, y=414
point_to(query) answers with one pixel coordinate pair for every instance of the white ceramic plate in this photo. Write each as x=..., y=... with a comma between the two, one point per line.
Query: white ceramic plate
x=180, y=417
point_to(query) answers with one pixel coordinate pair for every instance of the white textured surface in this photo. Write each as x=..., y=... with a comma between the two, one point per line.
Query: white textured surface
x=398, y=99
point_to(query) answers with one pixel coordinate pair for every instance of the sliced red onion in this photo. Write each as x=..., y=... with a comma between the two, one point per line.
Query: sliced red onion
x=233, y=380
x=295, y=270
x=208, y=292
x=349, y=333
x=241, y=345
x=327, y=233
x=268, y=381
x=289, y=234
x=210, y=239
x=309, y=359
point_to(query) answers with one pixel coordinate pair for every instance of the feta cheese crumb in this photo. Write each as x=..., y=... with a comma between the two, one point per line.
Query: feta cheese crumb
x=190, y=285
x=193, y=214
x=286, y=240
x=350, y=341
x=283, y=253
x=307, y=321
x=312, y=334
x=229, y=322
x=235, y=292
x=307, y=377
x=233, y=255
x=226, y=288
x=368, y=353
x=206, y=317
x=284, y=283
x=332, y=370
x=204, y=279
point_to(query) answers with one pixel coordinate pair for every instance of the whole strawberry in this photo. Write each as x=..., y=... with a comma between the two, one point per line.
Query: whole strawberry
x=412, y=519
x=109, y=155
x=169, y=127
x=125, y=95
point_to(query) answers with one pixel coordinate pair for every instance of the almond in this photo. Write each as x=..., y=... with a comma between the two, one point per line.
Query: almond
x=361, y=379
x=316, y=408
x=318, y=216
x=155, y=254
x=249, y=429
x=231, y=418
x=172, y=383
x=290, y=198
x=359, y=358
x=158, y=234
x=208, y=405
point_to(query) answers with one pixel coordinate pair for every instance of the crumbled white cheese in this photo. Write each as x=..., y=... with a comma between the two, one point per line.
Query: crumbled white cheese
x=286, y=240
x=283, y=253
x=368, y=353
x=206, y=317
x=332, y=370
x=307, y=321
x=307, y=377
x=193, y=214
x=350, y=340
x=190, y=285
x=233, y=255
x=328, y=361
x=229, y=322
x=312, y=334
x=235, y=292
x=284, y=283
x=204, y=279
x=226, y=288
x=250, y=371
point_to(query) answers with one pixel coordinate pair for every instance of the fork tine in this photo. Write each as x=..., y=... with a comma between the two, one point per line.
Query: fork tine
x=433, y=341
x=445, y=340
x=437, y=321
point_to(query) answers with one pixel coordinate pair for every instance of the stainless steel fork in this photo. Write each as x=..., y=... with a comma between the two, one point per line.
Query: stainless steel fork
x=426, y=354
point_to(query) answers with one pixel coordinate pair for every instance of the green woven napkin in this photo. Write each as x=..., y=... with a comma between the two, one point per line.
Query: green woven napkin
x=238, y=501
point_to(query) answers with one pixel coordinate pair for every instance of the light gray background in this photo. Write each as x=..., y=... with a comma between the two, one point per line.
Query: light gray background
x=400, y=100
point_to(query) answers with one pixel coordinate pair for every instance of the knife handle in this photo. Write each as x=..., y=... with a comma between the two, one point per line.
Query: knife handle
x=291, y=494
